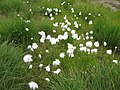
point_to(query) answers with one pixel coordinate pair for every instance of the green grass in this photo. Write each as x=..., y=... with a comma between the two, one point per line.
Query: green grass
x=85, y=72
x=12, y=69
x=14, y=29
x=107, y=29
x=8, y=6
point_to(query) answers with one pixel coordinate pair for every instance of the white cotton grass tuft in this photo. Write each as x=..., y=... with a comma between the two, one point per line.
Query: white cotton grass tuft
x=27, y=29
x=27, y=58
x=91, y=37
x=81, y=45
x=47, y=79
x=89, y=44
x=55, y=24
x=34, y=45
x=91, y=32
x=70, y=50
x=30, y=67
x=52, y=18
x=33, y=85
x=86, y=18
x=54, y=31
x=96, y=44
x=94, y=50
x=83, y=49
x=47, y=51
x=43, y=36
x=115, y=61
x=39, y=55
x=62, y=55
x=109, y=52
x=40, y=65
x=87, y=37
x=30, y=47
x=47, y=68
x=57, y=71
x=89, y=14
x=105, y=44
x=90, y=22
x=53, y=41
x=56, y=62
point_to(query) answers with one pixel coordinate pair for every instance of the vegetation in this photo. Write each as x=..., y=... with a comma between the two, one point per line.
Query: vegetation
x=82, y=36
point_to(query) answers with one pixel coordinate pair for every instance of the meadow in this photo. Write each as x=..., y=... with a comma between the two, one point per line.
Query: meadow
x=59, y=45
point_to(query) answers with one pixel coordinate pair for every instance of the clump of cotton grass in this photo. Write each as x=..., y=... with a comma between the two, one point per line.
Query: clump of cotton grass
x=47, y=79
x=43, y=36
x=27, y=58
x=62, y=55
x=33, y=85
x=47, y=68
x=56, y=62
x=89, y=46
x=51, y=12
x=109, y=52
x=115, y=61
x=96, y=44
x=40, y=65
x=70, y=50
x=90, y=22
x=57, y=71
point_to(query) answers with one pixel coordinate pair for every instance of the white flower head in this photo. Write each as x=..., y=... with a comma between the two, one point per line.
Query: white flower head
x=39, y=55
x=80, y=13
x=99, y=14
x=90, y=22
x=40, y=65
x=96, y=44
x=89, y=14
x=70, y=50
x=33, y=85
x=91, y=32
x=30, y=67
x=27, y=58
x=30, y=47
x=53, y=41
x=87, y=33
x=86, y=18
x=73, y=32
x=47, y=51
x=47, y=79
x=91, y=37
x=55, y=24
x=52, y=18
x=105, y=44
x=87, y=37
x=27, y=29
x=48, y=37
x=57, y=71
x=56, y=62
x=54, y=31
x=47, y=68
x=89, y=44
x=109, y=52
x=75, y=36
x=34, y=45
x=115, y=61
x=62, y=55
x=84, y=49
x=81, y=45
x=94, y=50
x=60, y=37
